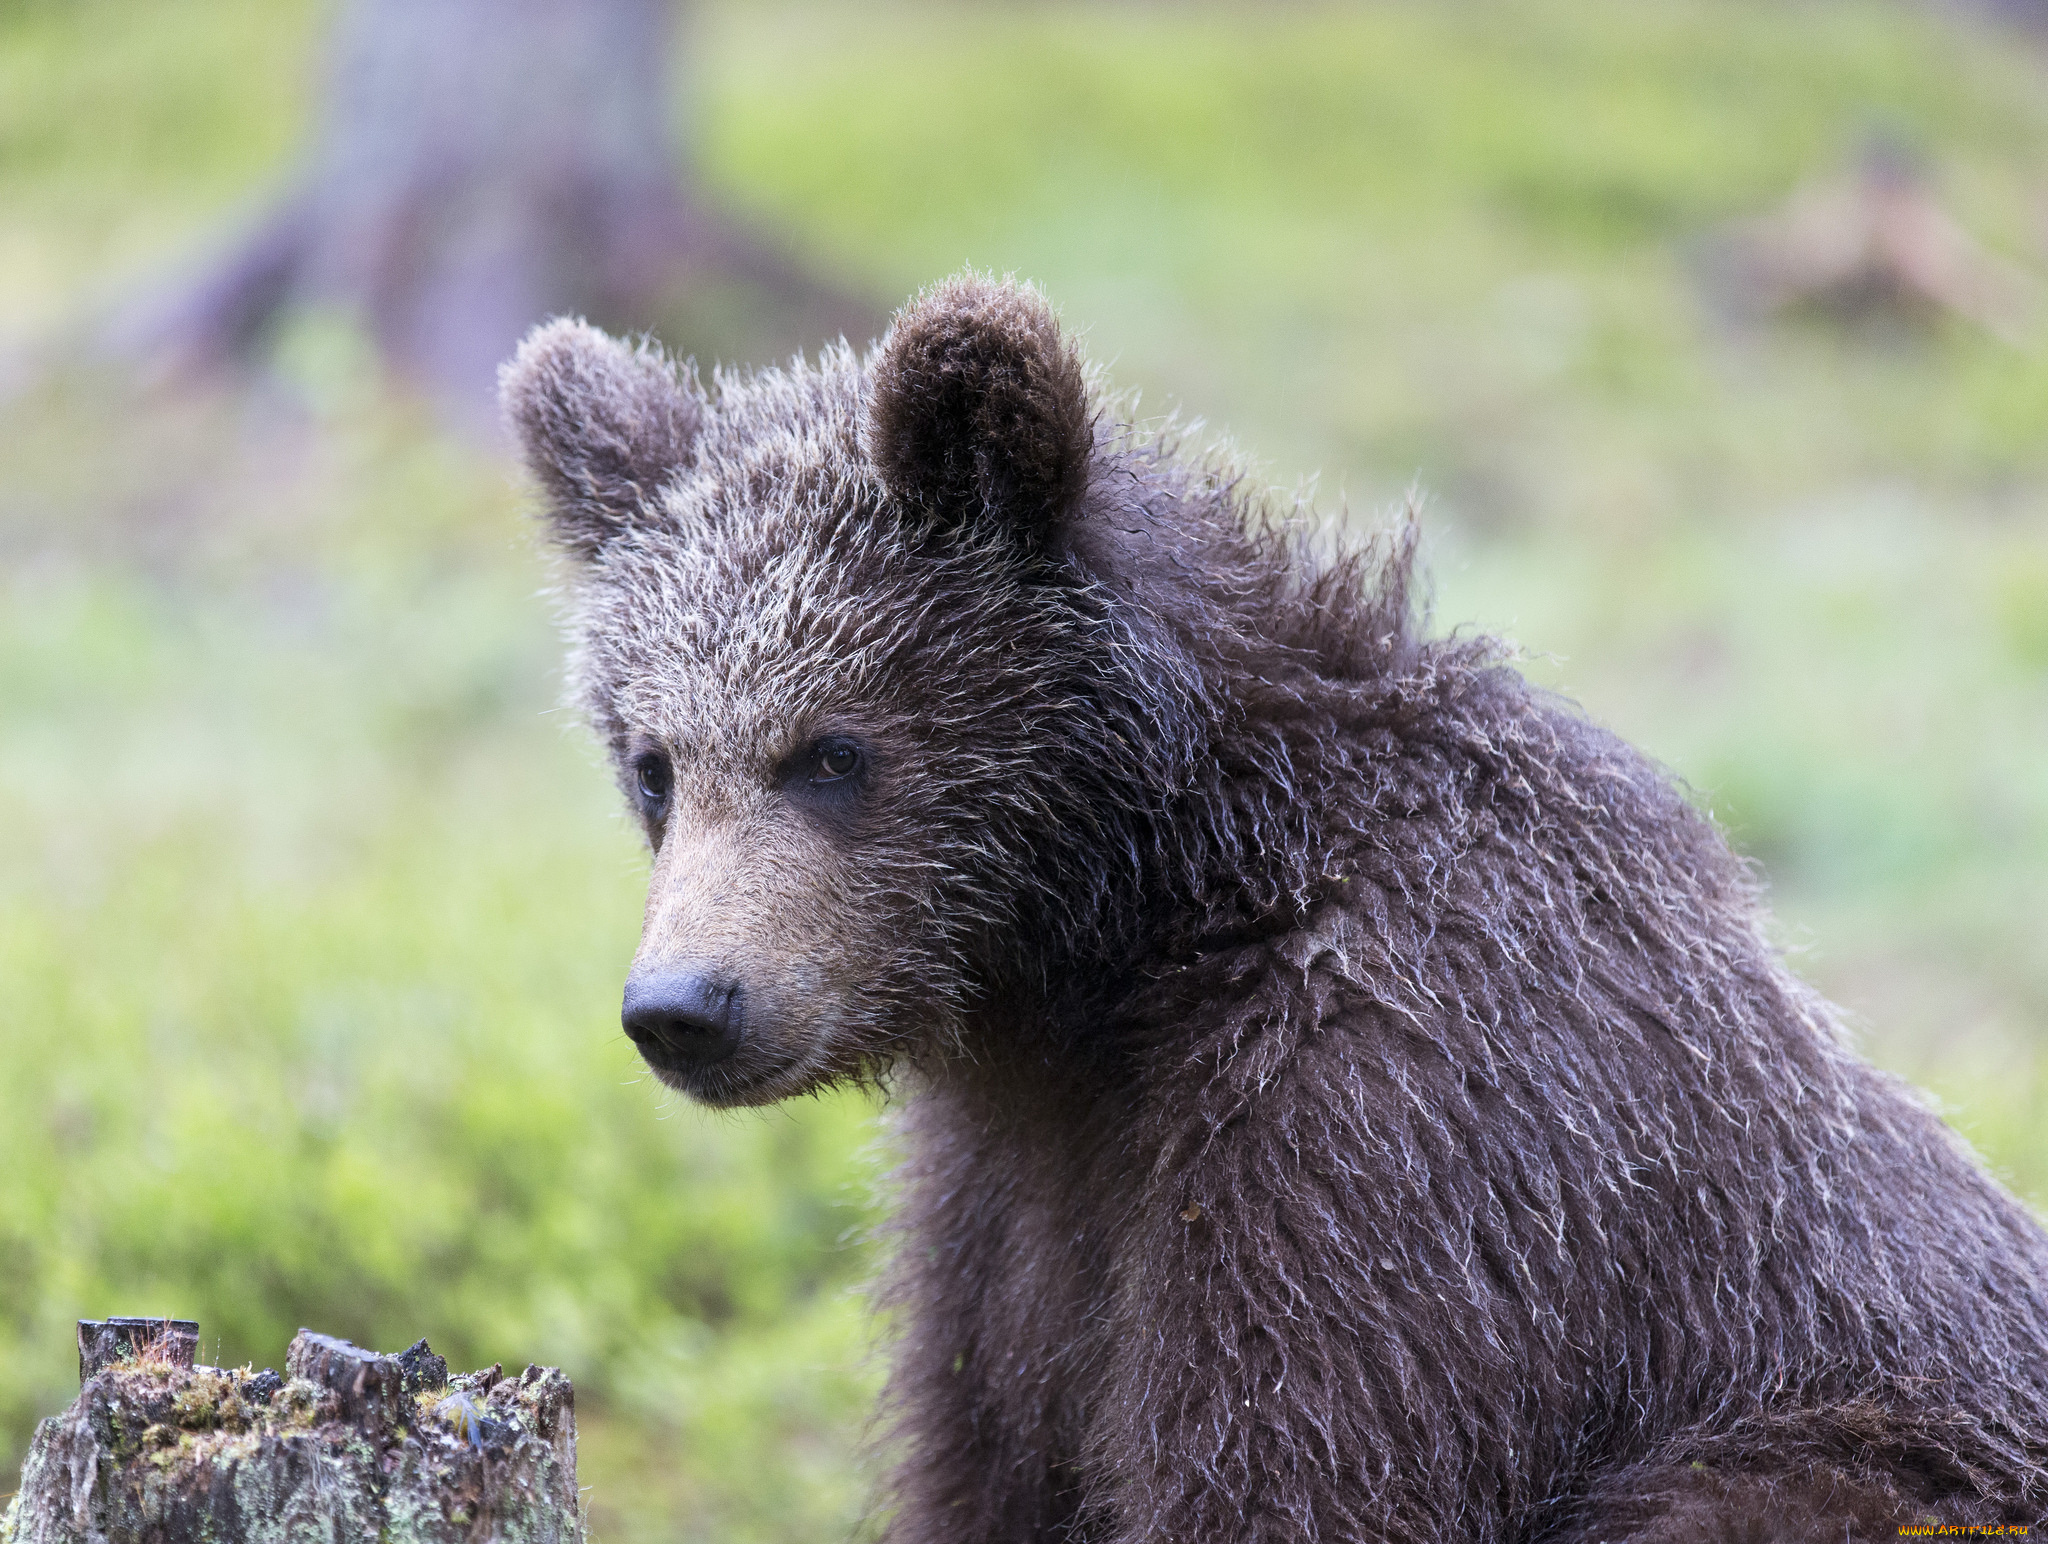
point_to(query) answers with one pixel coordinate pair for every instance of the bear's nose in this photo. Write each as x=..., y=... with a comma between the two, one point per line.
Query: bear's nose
x=685, y=1018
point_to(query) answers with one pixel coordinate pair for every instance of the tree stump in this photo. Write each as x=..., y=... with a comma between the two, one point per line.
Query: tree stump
x=479, y=166
x=347, y=1445
x=1875, y=243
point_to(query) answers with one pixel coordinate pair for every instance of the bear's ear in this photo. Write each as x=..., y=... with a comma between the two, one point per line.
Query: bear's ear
x=977, y=406
x=603, y=424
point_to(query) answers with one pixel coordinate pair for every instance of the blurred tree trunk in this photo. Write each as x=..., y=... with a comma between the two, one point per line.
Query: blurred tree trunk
x=480, y=165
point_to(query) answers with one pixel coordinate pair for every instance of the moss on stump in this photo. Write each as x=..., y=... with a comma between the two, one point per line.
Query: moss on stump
x=348, y=1445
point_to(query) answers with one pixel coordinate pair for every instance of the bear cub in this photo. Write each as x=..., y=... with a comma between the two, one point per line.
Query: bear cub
x=1346, y=1095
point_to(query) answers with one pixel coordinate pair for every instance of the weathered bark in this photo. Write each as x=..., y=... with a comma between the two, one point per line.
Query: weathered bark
x=481, y=164
x=349, y=1445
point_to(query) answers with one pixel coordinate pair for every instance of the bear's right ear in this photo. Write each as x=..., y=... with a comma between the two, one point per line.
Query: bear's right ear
x=978, y=409
x=603, y=424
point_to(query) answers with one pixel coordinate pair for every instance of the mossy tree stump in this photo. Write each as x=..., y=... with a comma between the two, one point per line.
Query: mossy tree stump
x=348, y=1445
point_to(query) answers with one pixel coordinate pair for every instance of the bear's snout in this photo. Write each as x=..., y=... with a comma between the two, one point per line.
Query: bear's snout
x=684, y=1019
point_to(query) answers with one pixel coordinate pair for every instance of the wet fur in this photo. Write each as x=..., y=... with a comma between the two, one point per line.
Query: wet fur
x=1347, y=1094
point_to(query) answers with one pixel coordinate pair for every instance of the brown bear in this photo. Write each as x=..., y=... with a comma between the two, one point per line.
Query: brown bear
x=1347, y=1095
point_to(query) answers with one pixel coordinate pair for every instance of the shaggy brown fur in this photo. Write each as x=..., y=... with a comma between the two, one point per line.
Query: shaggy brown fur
x=1348, y=1095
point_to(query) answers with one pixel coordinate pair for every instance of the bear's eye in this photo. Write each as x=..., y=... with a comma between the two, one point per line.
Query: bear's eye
x=834, y=760
x=652, y=779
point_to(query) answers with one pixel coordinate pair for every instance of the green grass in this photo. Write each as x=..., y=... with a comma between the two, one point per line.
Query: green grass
x=128, y=128
x=1446, y=237
x=313, y=912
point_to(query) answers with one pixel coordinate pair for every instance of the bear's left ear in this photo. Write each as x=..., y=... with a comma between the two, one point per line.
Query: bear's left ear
x=604, y=425
x=978, y=408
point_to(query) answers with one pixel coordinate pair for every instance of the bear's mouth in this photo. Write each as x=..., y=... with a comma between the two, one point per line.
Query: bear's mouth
x=726, y=1035
x=732, y=1082
x=699, y=1031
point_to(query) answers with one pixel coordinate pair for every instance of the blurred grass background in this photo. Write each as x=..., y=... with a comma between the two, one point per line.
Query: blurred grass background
x=313, y=910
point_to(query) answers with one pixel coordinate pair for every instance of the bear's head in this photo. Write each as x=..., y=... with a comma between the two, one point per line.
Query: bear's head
x=876, y=649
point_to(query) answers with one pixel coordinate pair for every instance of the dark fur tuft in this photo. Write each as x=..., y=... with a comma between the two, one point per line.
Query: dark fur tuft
x=603, y=425
x=978, y=406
